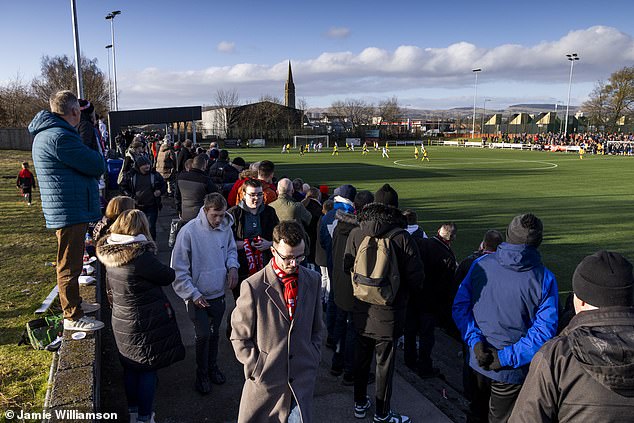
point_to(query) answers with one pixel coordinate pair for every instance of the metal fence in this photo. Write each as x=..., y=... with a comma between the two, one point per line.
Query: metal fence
x=15, y=139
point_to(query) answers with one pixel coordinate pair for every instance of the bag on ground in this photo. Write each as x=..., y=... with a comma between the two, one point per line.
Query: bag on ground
x=375, y=275
x=42, y=332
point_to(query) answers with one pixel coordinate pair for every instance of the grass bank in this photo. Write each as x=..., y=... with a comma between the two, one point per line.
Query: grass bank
x=25, y=245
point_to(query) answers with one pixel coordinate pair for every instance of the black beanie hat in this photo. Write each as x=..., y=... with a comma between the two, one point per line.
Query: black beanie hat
x=525, y=229
x=386, y=195
x=604, y=279
x=142, y=160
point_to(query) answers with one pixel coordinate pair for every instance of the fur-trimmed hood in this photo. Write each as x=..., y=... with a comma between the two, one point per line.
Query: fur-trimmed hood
x=115, y=255
x=376, y=219
x=342, y=216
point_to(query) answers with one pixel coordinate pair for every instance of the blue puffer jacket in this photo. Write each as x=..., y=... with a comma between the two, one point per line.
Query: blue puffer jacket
x=508, y=299
x=67, y=172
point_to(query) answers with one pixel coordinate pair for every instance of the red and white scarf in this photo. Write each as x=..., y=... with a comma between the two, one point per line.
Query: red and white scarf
x=254, y=257
x=290, y=288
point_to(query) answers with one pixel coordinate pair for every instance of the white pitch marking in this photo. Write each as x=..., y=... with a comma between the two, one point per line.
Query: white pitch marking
x=549, y=165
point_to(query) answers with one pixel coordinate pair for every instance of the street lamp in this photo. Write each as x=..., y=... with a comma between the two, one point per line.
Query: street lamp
x=109, y=46
x=484, y=111
x=572, y=57
x=557, y=103
x=110, y=16
x=80, y=83
x=475, y=96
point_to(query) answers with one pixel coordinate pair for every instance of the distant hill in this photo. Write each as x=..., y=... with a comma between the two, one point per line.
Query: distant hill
x=468, y=111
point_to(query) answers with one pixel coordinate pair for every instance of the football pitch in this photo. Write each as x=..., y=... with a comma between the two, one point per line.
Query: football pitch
x=586, y=205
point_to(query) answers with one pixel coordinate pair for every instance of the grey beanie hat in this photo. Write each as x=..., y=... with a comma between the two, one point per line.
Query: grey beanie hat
x=525, y=229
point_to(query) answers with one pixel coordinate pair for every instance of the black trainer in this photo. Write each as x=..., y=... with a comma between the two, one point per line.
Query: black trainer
x=203, y=384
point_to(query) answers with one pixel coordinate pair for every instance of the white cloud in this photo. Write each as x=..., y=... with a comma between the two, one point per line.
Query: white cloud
x=375, y=71
x=338, y=32
x=226, y=47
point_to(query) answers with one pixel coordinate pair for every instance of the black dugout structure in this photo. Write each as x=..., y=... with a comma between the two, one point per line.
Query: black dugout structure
x=168, y=116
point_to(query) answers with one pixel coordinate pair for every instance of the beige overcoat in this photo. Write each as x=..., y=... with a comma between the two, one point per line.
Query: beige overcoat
x=280, y=357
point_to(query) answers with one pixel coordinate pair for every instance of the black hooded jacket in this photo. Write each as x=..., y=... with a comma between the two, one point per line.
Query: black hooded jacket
x=143, y=320
x=376, y=321
x=584, y=375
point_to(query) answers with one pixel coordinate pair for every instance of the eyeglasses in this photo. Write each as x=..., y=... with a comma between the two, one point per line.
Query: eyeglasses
x=255, y=194
x=288, y=259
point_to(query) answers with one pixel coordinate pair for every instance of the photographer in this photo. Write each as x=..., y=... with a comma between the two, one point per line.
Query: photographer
x=253, y=223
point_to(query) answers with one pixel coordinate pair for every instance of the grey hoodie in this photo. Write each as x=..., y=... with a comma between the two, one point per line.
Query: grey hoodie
x=201, y=257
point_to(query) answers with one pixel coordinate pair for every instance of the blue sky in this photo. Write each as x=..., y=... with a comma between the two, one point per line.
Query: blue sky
x=182, y=52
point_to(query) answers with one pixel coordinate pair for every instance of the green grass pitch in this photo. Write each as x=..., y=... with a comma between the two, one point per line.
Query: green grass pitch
x=586, y=205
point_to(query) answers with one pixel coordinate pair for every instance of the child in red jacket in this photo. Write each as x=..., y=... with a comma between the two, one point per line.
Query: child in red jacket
x=26, y=182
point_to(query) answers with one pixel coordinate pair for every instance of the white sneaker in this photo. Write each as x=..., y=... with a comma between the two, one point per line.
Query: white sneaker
x=90, y=307
x=84, y=323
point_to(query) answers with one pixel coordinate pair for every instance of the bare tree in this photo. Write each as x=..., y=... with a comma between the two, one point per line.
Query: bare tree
x=358, y=112
x=597, y=107
x=227, y=100
x=17, y=104
x=270, y=98
x=58, y=73
x=611, y=100
x=389, y=110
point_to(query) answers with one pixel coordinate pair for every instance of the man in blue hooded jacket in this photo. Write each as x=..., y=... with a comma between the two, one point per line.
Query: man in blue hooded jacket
x=68, y=174
x=506, y=309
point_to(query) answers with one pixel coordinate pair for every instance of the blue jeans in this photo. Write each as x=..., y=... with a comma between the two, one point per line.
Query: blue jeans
x=207, y=327
x=295, y=415
x=140, y=387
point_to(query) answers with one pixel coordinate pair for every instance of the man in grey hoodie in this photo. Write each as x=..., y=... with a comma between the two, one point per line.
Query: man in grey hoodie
x=206, y=261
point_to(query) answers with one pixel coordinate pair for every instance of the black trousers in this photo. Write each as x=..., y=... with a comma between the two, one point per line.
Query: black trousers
x=423, y=325
x=491, y=401
x=385, y=356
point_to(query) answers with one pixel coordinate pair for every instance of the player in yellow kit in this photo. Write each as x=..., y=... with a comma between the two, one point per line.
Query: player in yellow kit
x=425, y=156
x=416, y=152
x=335, y=150
x=364, y=150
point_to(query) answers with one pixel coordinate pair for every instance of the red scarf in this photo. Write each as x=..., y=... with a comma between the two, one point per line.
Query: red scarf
x=290, y=288
x=254, y=257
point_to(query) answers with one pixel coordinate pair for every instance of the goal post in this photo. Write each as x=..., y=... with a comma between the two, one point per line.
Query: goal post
x=307, y=139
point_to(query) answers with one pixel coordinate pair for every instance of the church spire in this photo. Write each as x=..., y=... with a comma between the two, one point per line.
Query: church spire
x=289, y=89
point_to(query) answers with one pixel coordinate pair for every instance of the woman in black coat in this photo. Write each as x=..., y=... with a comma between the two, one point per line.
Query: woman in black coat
x=143, y=320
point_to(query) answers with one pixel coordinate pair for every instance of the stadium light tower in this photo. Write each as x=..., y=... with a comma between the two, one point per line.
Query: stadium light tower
x=475, y=97
x=108, y=47
x=80, y=83
x=110, y=17
x=572, y=57
x=484, y=112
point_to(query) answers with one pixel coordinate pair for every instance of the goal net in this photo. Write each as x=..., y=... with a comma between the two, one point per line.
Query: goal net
x=308, y=139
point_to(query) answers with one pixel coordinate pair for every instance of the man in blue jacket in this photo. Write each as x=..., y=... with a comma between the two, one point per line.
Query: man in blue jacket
x=67, y=173
x=506, y=309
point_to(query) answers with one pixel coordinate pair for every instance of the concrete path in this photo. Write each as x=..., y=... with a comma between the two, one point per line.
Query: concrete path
x=177, y=401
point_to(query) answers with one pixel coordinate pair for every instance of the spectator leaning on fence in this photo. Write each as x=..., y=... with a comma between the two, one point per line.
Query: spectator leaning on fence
x=68, y=172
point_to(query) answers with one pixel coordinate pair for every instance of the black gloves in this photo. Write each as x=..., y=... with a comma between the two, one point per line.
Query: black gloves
x=482, y=354
x=487, y=356
x=495, y=364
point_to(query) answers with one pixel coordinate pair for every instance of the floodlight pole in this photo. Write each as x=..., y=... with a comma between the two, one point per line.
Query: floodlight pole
x=80, y=83
x=109, y=46
x=572, y=57
x=475, y=96
x=484, y=110
x=110, y=16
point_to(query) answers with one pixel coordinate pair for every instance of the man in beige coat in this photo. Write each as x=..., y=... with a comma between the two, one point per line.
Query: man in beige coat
x=276, y=335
